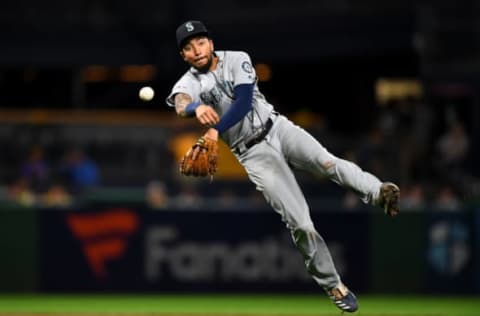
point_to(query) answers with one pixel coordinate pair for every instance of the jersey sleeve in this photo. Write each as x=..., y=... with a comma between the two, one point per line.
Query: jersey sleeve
x=242, y=69
x=188, y=85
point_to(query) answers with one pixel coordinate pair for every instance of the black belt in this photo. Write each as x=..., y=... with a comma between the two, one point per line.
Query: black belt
x=254, y=139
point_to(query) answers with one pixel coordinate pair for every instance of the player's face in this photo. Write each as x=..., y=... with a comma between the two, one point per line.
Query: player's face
x=198, y=52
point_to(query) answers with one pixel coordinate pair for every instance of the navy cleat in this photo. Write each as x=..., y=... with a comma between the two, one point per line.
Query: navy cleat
x=343, y=298
x=388, y=199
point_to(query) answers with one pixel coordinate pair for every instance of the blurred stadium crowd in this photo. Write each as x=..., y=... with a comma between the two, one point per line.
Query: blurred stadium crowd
x=57, y=165
x=73, y=130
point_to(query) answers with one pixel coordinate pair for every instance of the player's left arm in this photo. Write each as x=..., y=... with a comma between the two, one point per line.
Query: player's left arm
x=237, y=111
x=240, y=107
x=244, y=83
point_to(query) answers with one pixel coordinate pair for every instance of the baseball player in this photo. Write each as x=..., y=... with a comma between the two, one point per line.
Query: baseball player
x=220, y=90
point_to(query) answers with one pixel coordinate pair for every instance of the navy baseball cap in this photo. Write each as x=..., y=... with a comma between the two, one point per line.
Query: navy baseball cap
x=190, y=29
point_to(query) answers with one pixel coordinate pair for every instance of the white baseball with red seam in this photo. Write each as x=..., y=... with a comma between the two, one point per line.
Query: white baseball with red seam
x=146, y=93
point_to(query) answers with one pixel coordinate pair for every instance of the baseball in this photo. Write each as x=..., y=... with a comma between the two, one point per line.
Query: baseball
x=146, y=94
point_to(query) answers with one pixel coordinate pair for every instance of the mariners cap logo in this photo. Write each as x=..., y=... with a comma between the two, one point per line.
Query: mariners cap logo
x=189, y=29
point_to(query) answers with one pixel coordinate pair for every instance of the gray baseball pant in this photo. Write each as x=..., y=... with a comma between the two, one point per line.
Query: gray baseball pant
x=267, y=165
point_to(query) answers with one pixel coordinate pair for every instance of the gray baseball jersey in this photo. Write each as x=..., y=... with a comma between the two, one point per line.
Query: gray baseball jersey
x=215, y=88
x=269, y=162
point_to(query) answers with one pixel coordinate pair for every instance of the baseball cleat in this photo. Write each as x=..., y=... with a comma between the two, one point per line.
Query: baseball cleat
x=343, y=298
x=389, y=195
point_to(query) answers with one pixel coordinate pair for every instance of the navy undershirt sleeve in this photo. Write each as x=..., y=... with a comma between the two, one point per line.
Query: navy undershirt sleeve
x=191, y=107
x=240, y=107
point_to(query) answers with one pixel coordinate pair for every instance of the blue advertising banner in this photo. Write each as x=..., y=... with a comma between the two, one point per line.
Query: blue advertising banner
x=450, y=252
x=476, y=250
x=137, y=249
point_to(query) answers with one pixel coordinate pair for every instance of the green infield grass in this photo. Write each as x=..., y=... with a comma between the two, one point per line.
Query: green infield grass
x=221, y=305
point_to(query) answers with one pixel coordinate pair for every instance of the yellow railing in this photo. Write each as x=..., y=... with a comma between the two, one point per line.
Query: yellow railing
x=94, y=117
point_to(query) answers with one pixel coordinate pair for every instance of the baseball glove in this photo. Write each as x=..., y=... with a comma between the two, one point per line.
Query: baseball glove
x=200, y=160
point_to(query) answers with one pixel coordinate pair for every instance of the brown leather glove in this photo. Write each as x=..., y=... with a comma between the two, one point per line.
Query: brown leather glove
x=201, y=160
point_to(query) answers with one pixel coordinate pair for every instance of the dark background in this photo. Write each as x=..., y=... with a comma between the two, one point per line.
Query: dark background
x=325, y=56
x=325, y=59
x=70, y=73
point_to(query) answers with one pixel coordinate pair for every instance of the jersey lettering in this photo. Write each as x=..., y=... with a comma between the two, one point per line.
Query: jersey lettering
x=212, y=97
x=222, y=92
x=216, y=88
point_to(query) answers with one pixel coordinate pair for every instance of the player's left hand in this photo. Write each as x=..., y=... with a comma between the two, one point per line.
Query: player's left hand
x=201, y=160
x=212, y=134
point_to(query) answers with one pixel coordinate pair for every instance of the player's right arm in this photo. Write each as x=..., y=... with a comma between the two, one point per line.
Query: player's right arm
x=185, y=107
x=181, y=102
x=185, y=98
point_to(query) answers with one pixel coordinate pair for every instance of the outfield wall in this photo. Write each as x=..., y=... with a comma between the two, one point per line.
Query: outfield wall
x=129, y=248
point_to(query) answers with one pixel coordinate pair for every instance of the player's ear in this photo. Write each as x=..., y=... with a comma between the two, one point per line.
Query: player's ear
x=182, y=54
x=211, y=44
